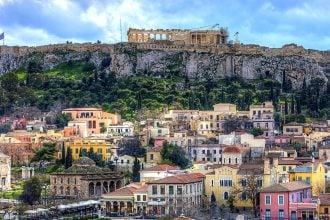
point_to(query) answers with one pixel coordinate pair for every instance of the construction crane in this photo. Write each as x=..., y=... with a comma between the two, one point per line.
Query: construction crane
x=212, y=26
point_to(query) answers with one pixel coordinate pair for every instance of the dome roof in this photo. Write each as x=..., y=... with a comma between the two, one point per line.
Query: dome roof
x=84, y=161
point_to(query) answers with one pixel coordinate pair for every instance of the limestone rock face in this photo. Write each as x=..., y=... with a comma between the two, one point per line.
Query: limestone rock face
x=202, y=63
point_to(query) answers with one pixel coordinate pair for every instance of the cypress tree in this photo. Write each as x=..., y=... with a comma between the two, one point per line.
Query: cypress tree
x=298, y=104
x=63, y=155
x=136, y=170
x=292, y=104
x=286, y=110
x=68, y=158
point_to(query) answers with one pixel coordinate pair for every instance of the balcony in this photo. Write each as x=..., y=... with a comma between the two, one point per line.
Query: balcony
x=303, y=206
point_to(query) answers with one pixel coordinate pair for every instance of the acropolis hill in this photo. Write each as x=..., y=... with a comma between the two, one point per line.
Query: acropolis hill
x=202, y=61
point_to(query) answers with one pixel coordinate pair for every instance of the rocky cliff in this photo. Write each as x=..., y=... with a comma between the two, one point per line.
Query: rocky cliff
x=203, y=63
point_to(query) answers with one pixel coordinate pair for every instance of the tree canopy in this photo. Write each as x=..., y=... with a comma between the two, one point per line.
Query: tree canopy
x=174, y=154
x=45, y=153
x=31, y=191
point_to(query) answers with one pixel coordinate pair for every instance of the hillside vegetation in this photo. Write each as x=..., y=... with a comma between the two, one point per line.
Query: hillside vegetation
x=79, y=83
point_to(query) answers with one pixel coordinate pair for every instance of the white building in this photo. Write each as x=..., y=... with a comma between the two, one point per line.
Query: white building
x=5, y=174
x=206, y=152
x=126, y=129
x=157, y=172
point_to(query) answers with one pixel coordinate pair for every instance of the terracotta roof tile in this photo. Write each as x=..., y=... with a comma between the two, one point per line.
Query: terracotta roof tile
x=286, y=187
x=180, y=179
x=161, y=167
x=288, y=162
x=232, y=149
x=324, y=199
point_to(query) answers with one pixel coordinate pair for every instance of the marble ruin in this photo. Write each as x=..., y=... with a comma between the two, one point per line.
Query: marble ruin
x=5, y=172
x=183, y=36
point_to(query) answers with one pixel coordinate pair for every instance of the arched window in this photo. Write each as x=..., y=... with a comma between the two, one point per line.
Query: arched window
x=236, y=160
x=225, y=195
x=243, y=196
x=229, y=160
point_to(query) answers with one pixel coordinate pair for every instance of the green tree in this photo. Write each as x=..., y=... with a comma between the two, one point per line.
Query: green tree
x=292, y=104
x=230, y=202
x=61, y=120
x=174, y=154
x=136, y=170
x=31, y=191
x=256, y=131
x=213, y=199
x=45, y=153
x=63, y=155
x=68, y=158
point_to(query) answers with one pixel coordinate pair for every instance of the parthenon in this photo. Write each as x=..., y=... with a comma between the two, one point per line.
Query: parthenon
x=186, y=36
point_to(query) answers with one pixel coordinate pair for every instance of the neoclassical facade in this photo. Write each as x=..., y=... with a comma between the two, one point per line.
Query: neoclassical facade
x=85, y=180
x=4, y=172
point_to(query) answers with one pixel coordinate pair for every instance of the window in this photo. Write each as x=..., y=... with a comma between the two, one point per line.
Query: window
x=162, y=190
x=179, y=190
x=308, y=180
x=203, y=151
x=77, y=151
x=144, y=198
x=243, y=182
x=268, y=200
x=212, y=183
x=259, y=183
x=225, y=182
x=243, y=196
x=154, y=190
x=258, y=125
x=267, y=214
x=99, y=150
x=171, y=190
x=284, y=168
x=151, y=157
x=266, y=124
x=280, y=214
x=225, y=195
x=159, y=131
x=214, y=151
x=281, y=200
x=68, y=180
x=138, y=198
x=326, y=210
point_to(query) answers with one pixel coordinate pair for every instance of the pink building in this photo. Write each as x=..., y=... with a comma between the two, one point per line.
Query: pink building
x=282, y=139
x=266, y=122
x=292, y=200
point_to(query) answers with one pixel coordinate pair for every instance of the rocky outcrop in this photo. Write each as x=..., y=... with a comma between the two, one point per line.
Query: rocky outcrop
x=204, y=63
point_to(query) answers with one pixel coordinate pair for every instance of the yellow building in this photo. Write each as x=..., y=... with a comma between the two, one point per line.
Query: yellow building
x=324, y=206
x=99, y=146
x=220, y=182
x=310, y=173
x=284, y=168
x=153, y=156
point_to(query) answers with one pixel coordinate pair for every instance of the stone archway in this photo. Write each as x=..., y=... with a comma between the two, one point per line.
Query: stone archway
x=108, y=207
x=91, y=189
x=67, y=191
x=75, y=191
x=61, y=190
x=98, y=189
x=105, y=187
x=118, y=184
x=129, y=207
x=112, y=186
x=115, y=206
x=121, y=206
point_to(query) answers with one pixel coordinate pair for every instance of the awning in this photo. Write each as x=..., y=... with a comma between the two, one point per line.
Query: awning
x=157, y=203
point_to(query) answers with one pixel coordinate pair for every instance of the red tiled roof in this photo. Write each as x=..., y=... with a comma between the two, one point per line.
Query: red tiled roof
x=232, y=149
x=288, y=162
x=286, y=187
x=180, y=179
x=127, y=190
x=324, y=199
x=82, y=109
x=160, y=167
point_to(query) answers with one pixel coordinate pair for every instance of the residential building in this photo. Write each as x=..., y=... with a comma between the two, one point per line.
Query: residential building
x=95, y=118
x=102, y=147
x=153, y=155
x=293, y=128
x=176, y=195
x=284, y=168
x=76, y=128
x=258, y=110
x=5, y=172
x=85, y=180
x=126, y=129
x=292, y=200
x=312, y=173
x=157, y=172
x=266, y=122
x=206, y=152
x=232, y=155
x=324, y=206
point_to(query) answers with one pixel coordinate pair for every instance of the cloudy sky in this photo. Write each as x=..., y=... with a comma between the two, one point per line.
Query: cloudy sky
x=270, y=23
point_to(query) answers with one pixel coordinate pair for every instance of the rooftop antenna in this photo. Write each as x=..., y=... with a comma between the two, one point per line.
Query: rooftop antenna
x=121, y=32
x=236, y=38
